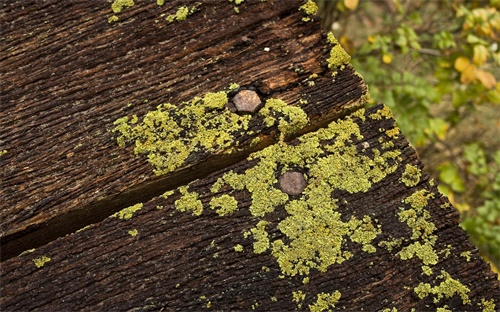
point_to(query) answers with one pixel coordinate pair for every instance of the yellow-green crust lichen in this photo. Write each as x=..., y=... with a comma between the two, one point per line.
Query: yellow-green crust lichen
x=325, y=301
x=447, y=288
x=169, y=135
x=487, y=305
x=338, y=56
x=298, y=297
x=189, y=202
x=40, y=262
x=411, y=175
x=133, y=232
x=182, y=13
x=118, y=5
x=127, y=213
x=226, y=204
x=310, y=8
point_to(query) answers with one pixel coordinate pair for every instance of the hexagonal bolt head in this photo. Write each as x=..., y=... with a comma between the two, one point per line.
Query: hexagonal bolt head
x=292, y=183
x=246, y=101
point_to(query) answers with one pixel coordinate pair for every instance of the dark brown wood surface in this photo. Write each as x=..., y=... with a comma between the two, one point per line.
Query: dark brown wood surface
x=163, y=259
x=67, y=75
x=368, y=232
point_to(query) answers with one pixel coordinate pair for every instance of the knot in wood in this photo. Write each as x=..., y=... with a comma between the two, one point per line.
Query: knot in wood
x=292, y=183
x=246, y=101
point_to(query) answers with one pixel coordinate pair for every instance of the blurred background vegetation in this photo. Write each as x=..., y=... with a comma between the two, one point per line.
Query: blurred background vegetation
x=437, y=65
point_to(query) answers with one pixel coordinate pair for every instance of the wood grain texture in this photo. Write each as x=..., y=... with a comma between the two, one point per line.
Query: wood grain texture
x=181, y=262
x=67, y=75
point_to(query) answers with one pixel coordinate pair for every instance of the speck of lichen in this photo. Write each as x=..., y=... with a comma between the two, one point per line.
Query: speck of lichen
x=487, y=305
x=411, y=175
x=290, y=118
x=133, y=232
x=466, y=255
x=238, y=248
x=112, y=18
x=127, y=213
x=325, y=301
x=384, y=112
x=298, y=297
x=40, y=262
x=447, y=288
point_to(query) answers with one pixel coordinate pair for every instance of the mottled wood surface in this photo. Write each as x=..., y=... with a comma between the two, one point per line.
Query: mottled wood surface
x=67, y=75
x=179, y=261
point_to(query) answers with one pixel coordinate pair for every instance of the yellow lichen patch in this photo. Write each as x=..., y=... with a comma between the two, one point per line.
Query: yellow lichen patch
x=238, y=248
x=167, y=135
x=189, y=202
x=487, y=305
x=133, y=232
x=118, y=5
x=466, y=255
x=411, y=175
x=447, y=288
x=127, y=213
x=338, y=56
x=310, y=8
x=298, y=297
x=261, y=239
x=226, y=204
x=290, y=118
x=325, y=301
x=384, y=112
x=182, y=13
x=3, y=152
x=40, y=262
x=315, y=232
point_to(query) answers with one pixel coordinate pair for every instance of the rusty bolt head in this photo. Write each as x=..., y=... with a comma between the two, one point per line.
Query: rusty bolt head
x=292, y=183
x=246, y=101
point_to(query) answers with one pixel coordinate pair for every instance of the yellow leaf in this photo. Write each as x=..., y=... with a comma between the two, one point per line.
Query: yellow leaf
x=480, y=54
x=371, y=39
x=486, y=78
x=461, y=63
x=387, y=58
x=351, y=4
x=468, y=74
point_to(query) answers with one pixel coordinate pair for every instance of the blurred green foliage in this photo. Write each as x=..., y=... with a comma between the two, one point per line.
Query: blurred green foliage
x=435, y=63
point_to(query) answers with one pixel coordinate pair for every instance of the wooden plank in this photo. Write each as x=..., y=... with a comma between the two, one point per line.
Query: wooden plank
x=68, y=75
x=369, y=232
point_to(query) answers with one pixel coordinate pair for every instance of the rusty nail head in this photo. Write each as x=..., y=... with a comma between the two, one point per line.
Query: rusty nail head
x=292, y=182
x=246, y=101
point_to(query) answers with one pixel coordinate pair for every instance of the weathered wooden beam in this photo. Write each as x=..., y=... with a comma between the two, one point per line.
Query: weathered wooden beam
x=68, y=74
x=368, y=232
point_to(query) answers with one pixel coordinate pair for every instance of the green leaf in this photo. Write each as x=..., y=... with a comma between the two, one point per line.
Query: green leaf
x=449, y=175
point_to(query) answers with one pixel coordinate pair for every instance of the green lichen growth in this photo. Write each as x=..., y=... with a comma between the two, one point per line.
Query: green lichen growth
x=168, y=135
x=466, y=255
x=133, y=232
x=393, y=133
x=118, y=5
x=189, y=202
x=411, y=175
x=40, y=262
x=338, y=56
x=384, y=112
x=261, y=239
x=112, y=18
x=298, y=297
x=310, y=8
x=290, y=118
x=325, y=301
x=3, y=152
x=443, y=309
x=447, y=288
x=487, y=305
x=315, y=232
x=182, y=13
x=226, y=204
x=127, y=213
x=419, y=221
x=390, y=310
x=238, y=248
x=160, y=2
